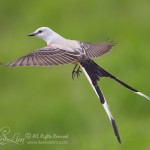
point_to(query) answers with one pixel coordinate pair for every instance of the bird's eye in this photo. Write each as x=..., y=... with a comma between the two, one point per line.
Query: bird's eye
x=40, y=31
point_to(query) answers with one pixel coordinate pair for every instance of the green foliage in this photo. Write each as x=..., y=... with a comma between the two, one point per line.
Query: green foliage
x=46, y=100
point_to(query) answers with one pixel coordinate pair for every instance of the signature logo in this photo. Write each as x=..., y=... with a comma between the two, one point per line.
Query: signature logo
x=5, y=137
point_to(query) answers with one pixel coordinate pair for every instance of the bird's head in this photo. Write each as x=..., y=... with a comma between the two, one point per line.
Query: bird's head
x=45, y=34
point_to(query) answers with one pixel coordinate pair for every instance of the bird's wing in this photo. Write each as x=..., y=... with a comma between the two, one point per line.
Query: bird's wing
x=46, y=56
x=96, y=50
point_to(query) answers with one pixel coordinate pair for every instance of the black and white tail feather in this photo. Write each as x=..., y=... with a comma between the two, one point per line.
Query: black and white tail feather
x=93, y=73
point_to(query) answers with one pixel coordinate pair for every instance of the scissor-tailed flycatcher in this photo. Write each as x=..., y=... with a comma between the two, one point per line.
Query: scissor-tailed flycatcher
x=61, y=51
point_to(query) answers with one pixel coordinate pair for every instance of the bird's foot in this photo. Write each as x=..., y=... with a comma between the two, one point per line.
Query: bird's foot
x=76, y=72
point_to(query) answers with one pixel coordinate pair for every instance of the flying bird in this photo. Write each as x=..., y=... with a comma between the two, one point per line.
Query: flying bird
x=60, y=51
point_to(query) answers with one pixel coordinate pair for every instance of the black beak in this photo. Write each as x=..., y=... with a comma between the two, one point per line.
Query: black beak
x=32, y=34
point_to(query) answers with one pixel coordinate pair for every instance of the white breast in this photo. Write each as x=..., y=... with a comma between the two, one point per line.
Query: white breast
x=65, y=44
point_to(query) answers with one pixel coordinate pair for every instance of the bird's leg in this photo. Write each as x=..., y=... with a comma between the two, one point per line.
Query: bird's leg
x=76, y=72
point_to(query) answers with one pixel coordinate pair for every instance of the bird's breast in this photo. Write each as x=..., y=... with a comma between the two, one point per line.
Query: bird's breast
x=69, y=45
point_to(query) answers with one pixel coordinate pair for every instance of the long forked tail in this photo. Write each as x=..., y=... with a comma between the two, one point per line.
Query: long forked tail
x=104, y=73
x=93, y=74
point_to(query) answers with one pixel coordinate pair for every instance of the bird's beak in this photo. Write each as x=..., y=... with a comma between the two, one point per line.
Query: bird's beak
x=32, y=34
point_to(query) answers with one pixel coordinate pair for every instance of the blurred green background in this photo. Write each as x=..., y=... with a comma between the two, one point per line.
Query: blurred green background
x=45, y=100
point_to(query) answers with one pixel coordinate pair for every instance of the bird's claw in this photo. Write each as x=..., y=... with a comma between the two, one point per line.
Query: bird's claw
x=76, y=72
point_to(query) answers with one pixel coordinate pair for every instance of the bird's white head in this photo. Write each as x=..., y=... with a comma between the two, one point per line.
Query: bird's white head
x=45, y=34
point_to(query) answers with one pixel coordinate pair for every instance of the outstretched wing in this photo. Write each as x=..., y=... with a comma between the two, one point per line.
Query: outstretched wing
x=45, y=57
x=96, y=50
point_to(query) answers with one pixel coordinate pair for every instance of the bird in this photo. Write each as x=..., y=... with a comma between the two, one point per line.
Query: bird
x=60, y=51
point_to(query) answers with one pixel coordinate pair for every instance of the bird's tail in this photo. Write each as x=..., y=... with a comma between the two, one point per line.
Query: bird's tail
x=99, y=72
x=93, y=74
